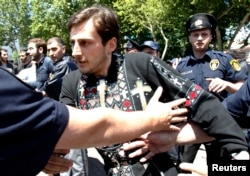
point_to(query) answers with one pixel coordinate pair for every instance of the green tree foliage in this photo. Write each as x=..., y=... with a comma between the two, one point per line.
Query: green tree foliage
x=50, y=17
x=171, y=17
x=14, y=22
x=159, y=20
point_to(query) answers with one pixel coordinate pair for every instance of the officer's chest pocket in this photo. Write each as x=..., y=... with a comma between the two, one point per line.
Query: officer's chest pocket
x=214, y=74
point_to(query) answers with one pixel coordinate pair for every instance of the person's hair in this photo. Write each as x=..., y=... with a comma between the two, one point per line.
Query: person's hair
x=25, y=51
x=39, y=43
x=104, y=18
x=56, y=39
x=5, y=50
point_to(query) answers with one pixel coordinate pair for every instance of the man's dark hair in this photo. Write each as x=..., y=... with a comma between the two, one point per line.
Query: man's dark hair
x=104, y=18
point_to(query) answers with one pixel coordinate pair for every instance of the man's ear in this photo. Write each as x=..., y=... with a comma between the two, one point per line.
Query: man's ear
x=40, y=49
x=111, y=45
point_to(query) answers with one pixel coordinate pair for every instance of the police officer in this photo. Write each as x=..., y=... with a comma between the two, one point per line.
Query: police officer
x=131, y=46
x=150, y=47
x=238, y=105
x=213, y=70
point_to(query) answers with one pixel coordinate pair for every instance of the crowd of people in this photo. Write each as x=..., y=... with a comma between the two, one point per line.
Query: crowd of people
x=96, y=112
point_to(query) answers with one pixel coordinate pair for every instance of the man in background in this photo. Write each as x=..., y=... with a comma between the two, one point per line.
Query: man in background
x=151, y=48
x=63, y=64
x=37, y=49
x=25, y=60
x=131, y=46
x=214, y=71
x=4, y=61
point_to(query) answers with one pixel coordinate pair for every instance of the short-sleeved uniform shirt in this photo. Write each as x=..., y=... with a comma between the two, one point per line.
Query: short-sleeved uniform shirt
x=30, y=126
x=214, y=64
x=238, y=104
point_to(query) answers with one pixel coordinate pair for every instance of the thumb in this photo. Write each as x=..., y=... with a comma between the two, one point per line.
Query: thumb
x=156, y=95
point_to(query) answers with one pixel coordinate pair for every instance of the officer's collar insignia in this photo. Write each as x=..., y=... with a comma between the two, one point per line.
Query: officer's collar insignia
x=198, y=23
x=214, y=64
x=235, y=64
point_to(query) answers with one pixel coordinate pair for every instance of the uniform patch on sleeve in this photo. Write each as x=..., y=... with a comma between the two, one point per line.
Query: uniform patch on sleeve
x=214, y=64
x=235, y=64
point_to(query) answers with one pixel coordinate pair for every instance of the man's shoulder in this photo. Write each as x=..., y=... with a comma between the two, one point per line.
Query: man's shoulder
x=73, y=75
x=67, y=62
x=183, y=61
x=219, y=54
x=47, y=59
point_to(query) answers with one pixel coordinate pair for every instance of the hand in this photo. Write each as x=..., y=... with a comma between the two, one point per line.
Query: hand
x=57, y=163
x=171, y=112
x=150, y=144
x=216, y=85
x=197, y=170
x=243, y=155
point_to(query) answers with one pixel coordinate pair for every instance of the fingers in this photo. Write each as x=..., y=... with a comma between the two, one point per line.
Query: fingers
x=156, y=95
x=174, y=128
x=216, y=85
x=139, y=152
x=195, y=169
x=177, y=103
x=133, y=145
x=147, y=157
x=57, y=164
x=178, y=119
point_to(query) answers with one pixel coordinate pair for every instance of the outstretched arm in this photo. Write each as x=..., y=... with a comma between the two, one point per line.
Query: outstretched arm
x=103, y=126
x=106, y=126
x=161, y=141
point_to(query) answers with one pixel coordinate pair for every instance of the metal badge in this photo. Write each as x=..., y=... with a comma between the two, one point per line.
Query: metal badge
x=198, y=23
x=214, y=64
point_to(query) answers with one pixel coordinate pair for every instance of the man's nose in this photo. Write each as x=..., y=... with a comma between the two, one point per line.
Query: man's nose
x=200, y=37
x=76, y=50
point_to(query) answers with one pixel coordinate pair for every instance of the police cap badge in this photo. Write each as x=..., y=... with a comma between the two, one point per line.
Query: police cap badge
x=201, y=21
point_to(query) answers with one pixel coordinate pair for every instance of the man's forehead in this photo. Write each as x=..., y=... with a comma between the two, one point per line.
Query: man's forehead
x=52, y=45
x=84, y=30
x=201, y=30
x=31, y=45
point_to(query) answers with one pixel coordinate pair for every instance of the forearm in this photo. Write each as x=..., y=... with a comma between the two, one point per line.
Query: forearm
x=101, y=126
x=190, y=133
x=233, y=87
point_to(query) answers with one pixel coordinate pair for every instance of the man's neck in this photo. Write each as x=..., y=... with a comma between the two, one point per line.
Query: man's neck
x=4, y=62
x=199, y=55
x=104, y=69
x=40, y=58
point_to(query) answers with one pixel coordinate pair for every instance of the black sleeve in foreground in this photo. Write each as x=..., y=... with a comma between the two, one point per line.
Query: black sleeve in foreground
x=30, y=127
x=205, y=109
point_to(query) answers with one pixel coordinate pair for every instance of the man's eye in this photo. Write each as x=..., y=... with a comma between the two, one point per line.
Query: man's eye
x=83, y=43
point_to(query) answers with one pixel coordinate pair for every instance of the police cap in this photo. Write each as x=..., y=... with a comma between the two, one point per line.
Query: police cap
x=131, y=44
x=201, y=21
x=150, y=44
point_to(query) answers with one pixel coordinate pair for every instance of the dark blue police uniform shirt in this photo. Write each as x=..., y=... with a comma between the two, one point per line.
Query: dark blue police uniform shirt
x=238, y=104
x=215, y=64
x=43, y=70
x=30, y=126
